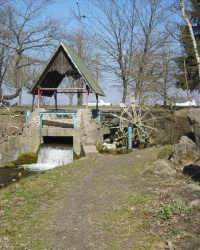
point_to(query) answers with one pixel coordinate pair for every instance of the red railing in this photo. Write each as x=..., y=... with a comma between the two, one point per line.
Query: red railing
x=53, y=89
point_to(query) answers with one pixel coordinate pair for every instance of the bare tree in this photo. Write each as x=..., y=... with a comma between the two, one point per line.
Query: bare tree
x=30, y=33
x=81, y=43
x=5, y=38
x=130, y=36
x=164, y=75
x=111, y=26
x=151, y=38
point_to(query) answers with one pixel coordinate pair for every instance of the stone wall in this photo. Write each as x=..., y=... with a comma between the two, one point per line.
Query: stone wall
x=28, y=136
x=10, y=149
x=17, y=136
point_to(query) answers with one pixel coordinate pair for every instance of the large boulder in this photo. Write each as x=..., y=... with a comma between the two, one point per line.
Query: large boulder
x=185, y=152
x=161, y=167
x=169, y=127
x=194, y=119
x=108, y=146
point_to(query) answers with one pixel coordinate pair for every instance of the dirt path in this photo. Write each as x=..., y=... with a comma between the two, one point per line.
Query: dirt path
x=78, y=223
x=110, y=208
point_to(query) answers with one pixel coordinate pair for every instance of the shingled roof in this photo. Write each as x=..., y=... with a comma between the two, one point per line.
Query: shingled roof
x=64, y=61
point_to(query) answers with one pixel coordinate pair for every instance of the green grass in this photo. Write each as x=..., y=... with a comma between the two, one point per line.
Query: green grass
x=166, y=152
x=129, y=220
x=174, y=207
x=28, y=206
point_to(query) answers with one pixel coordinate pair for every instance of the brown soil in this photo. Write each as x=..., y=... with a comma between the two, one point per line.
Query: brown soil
x=116, y=206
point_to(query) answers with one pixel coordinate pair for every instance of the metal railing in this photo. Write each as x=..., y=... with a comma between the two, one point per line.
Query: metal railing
x=56, y=113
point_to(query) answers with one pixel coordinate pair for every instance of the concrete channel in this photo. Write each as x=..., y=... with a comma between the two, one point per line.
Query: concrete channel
x=80, y=128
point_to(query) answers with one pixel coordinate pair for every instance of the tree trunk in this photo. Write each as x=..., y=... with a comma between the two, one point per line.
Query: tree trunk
x=71, y=99
x=20, y=98
x=187, y=20
x=124, y=95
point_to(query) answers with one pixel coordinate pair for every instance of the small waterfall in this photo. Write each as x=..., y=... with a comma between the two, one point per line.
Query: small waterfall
x=51, y=156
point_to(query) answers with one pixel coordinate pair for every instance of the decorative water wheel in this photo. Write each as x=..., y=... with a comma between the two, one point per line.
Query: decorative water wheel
x=142, y=121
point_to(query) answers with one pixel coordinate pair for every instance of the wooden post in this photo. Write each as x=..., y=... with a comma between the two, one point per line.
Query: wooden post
x=87, y=96
x=55, y=97
x=32, y=102
x=38, y=97
x=97, y=99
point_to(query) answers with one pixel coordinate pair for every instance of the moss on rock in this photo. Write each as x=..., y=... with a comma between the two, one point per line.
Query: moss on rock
x=26, y=158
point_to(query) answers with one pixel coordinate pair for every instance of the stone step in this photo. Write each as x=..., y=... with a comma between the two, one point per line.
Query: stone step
x=90, y=150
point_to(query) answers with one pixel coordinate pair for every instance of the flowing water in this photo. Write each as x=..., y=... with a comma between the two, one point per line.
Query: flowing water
x=50, y=156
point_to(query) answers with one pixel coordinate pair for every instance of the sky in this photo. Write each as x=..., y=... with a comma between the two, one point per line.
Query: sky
x=63, y=9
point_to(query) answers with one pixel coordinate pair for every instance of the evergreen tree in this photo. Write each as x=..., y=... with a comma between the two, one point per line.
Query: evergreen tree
x=195, y=17
x=187, y=64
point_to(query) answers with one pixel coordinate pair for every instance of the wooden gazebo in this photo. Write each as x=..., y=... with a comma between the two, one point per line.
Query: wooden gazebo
x=64, y=62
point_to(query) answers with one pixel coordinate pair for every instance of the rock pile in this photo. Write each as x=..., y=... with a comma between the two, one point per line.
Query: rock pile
x=194, y=119
x=185, y=159
x=187, y=151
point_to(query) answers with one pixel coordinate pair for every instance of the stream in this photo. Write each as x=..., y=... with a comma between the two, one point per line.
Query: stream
x=11, y=175
x=50, y=156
